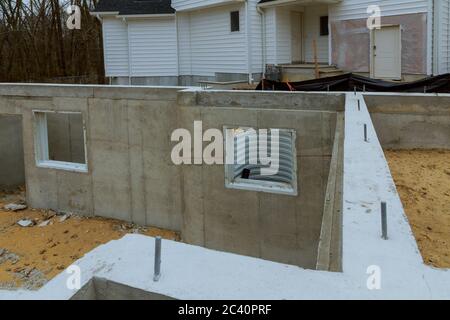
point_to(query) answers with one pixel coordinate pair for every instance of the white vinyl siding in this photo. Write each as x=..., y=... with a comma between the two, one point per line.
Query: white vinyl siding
x=213, y=47
x=357, y=9
x=115, y=42
x=153, y=47
x=278, y=35
x=271, y=45
x=184, y=43
x=283, y=34
x=206, y=46
x=442, y=44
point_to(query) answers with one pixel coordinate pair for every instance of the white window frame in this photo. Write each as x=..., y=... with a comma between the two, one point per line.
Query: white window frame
x=259, y=185
x=41, y=144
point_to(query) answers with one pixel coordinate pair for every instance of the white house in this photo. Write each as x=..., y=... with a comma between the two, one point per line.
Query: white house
x=182, y=41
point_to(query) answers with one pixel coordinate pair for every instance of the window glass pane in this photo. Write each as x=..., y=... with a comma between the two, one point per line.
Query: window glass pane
x=324, y=26
x=234, y=17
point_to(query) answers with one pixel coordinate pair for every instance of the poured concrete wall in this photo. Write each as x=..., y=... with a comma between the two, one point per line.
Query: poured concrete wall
x=128, y=141
x=131, y=176
x=329, y=253
x=408, y=121
x=351, y=43
x=104, y=289
x=12, y=170
x=274, y=227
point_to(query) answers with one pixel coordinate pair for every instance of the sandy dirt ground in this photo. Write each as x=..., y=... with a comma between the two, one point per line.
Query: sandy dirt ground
x=423, y=181
x=30, y=256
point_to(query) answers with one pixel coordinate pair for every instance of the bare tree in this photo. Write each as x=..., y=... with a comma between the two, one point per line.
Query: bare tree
x=36, y=45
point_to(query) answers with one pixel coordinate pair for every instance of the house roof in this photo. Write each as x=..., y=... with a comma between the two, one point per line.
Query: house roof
x=305, y=1
x=135, y=7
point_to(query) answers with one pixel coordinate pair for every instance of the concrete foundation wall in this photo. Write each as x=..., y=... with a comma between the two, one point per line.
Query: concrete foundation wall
x=329, y=255
x=408, y=121
x=131, y=175
x=351, y=43
x=104, y=289
x=12, y=169
x=273, y=227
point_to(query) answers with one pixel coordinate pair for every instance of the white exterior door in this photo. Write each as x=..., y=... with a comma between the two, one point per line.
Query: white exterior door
x=387, y=53
x=296, y=36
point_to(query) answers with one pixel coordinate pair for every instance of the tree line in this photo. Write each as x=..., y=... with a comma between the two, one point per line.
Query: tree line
x=37, y=46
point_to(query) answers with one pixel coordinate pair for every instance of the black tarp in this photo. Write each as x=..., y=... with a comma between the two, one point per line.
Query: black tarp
x=351, y=82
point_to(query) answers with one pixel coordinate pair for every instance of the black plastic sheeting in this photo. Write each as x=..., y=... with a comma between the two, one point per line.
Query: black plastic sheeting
x=352, y=82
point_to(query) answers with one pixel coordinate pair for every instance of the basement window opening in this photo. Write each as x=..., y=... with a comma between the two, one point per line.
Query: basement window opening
x=234, y=21
x=263, y=160
x=60, y=140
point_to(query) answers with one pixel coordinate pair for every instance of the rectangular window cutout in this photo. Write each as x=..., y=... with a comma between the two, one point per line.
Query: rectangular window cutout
x=324, y=31
x=60, y=140
x=261, y=160
x=234, y=20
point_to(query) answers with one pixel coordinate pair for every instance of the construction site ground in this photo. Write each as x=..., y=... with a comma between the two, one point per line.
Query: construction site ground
x=30, y=256
x=423, y=182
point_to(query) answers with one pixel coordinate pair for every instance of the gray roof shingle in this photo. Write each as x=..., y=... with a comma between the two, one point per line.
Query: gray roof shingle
x=135, y=7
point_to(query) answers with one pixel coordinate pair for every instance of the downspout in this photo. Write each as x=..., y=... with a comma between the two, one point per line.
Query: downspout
x=249, y=45
x=263, y=39
x=330, y=40
x=129, y=51
x=436, y=35
x=178, y=49
x=432, y=38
